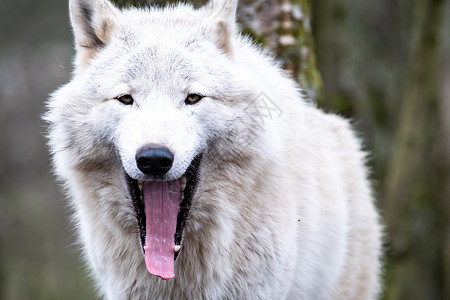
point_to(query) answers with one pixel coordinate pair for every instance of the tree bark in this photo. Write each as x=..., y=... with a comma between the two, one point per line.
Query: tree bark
x=414, y=204
x=284, y=27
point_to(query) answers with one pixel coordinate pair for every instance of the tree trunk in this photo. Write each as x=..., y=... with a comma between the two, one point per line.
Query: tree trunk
x=414, y=203
x=284, y=27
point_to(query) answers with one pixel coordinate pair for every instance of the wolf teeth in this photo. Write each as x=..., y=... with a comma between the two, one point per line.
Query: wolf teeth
x=183, y=183
x=140, y=183
x=176, y=248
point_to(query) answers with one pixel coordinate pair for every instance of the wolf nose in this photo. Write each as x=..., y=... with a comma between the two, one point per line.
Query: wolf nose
x=154, y=160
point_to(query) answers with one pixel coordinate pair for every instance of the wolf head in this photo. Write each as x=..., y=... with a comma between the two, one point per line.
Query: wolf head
x=152, y=91
x=172, y=68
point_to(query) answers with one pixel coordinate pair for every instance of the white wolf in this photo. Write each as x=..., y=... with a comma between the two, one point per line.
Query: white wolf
x=173, y=174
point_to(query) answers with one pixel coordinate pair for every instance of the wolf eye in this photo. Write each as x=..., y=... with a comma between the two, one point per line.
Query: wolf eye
x=126, y=99
x=192, y=99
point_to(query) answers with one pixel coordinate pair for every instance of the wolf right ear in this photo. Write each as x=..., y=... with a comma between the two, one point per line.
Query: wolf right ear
x=93, y=21
x=223, y=13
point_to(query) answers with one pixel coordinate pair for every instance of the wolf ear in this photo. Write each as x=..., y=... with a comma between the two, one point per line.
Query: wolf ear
x=223, y=15
x=93, y=21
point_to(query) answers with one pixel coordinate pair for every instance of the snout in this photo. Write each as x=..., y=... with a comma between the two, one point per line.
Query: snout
x=155, y=160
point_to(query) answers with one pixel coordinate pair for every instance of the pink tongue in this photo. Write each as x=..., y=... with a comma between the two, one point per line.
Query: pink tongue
x=162, y=199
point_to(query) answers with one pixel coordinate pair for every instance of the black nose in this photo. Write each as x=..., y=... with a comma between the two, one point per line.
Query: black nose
x=155, y=160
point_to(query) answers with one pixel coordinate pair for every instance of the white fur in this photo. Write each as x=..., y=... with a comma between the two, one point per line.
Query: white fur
x=283, y=208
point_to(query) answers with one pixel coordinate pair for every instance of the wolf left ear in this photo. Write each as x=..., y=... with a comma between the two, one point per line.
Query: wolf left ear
x=93, y=21
x=223, y=15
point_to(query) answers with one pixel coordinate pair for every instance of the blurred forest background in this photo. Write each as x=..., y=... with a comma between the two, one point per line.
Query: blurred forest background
x=383, y=63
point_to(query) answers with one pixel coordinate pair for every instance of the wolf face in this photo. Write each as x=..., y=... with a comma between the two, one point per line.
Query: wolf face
x=155, y=100
x=140, y=57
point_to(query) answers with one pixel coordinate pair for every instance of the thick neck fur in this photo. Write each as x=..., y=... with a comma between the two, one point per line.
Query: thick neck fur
x=218, y=212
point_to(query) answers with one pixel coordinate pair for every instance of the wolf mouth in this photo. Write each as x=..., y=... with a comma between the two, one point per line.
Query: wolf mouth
x=186, y=184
